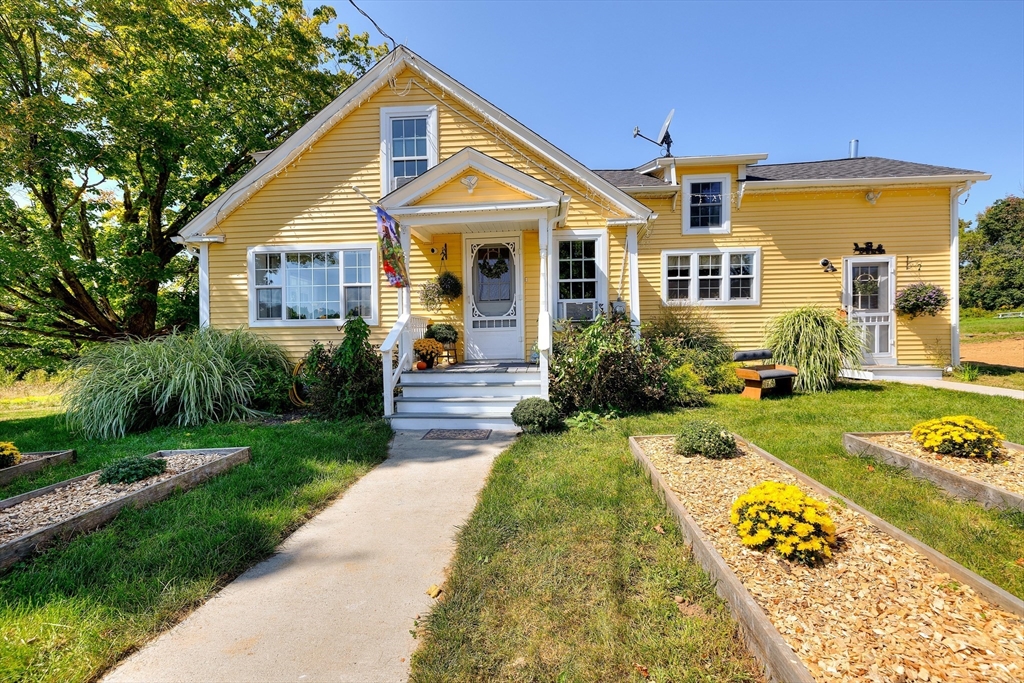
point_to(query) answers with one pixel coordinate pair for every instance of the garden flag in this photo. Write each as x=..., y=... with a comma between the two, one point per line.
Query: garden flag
x=391, y=255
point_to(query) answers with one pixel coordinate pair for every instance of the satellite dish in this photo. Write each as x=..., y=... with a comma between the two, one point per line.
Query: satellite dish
x=664, y=138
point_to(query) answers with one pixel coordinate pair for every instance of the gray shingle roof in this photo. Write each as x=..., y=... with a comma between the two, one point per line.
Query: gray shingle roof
x=630, y=178
x=860, y=167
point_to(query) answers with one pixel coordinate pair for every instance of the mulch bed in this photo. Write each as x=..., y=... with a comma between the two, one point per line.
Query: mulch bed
x=1005, y=471
x=78, y=496
x=877, y=611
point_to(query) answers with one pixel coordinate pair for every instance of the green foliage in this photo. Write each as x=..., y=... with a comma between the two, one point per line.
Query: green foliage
x=685, y=387
x=9, y=454
x=442, y=332
x=134, y=118
x=705, y=438
x=440, y=290
x=992, y=257
x=969, y=373
x=602, y=366
x=132, y=469
x=450, y=285
x=185, y=379
x=345, y=380
x=534, y=415
x=817, y=343
x=687, y=335
x=585, y=420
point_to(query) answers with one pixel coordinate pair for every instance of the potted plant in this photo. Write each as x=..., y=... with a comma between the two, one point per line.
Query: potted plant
x=443, y=289
x=921, y=298
x=428, y=350
x=442, y=332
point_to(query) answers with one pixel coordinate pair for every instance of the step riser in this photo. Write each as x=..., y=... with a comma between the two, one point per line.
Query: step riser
x=466, y=408
x=436, y=391
x=433, y=422
x=426, y=378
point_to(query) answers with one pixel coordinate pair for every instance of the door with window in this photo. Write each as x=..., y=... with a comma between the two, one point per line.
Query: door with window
x=494, y=323
x=868, y=291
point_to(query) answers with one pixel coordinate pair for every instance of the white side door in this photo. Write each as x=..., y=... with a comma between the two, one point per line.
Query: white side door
x=869, y=288
x=494, y=307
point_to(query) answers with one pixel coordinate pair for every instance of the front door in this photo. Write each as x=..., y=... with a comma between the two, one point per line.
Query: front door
x=494, y=320
x=868, y=292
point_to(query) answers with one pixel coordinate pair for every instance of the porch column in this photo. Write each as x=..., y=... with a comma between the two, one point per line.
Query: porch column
x=634, y=279
x=544, y=323
x=405, y=300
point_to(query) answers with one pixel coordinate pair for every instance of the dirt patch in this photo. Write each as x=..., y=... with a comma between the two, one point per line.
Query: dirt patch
x=1008, y=352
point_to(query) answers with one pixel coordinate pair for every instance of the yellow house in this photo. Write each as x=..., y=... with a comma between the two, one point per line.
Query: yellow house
x=292, y=248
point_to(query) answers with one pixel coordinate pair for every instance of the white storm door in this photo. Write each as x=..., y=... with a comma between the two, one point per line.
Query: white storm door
x=868, y=292
x=494, y=307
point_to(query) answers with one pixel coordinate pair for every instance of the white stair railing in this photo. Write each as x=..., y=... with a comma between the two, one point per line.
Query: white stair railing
x=544, y=350
x=406, y=330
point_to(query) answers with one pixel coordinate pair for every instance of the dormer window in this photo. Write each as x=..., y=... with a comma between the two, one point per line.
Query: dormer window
x=706, y=204
x=408, y=144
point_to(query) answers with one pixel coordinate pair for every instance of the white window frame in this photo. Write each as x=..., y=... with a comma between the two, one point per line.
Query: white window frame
x=726, y=181
x=389, y=113
x=600, y=238
x=283, y=249
x=725, y=252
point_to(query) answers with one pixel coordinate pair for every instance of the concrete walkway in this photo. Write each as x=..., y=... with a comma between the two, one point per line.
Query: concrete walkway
x=963, y=386
x=337, y=602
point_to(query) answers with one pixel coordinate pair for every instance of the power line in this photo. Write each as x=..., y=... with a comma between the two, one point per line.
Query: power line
x=379, y=29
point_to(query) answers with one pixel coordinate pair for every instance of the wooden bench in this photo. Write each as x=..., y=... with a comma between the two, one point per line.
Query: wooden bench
x=754, y=376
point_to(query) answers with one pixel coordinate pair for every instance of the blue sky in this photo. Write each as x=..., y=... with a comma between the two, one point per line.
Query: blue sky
x=935, y=82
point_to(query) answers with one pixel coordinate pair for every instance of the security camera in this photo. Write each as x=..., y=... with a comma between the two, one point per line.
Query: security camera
x=824, y=262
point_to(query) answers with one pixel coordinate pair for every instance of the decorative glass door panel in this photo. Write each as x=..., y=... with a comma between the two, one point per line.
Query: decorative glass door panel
x=867, y=285
x=493, y=326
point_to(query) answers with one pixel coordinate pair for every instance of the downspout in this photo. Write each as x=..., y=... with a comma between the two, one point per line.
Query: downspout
x=954, y=270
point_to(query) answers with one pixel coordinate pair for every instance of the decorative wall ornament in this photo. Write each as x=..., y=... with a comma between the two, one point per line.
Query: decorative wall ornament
x=470, y=182
x=868, y=248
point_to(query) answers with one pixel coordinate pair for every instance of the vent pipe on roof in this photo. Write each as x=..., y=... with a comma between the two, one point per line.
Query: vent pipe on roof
x=854, y=144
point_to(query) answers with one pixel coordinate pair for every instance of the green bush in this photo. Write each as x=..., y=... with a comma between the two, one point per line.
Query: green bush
x=131, y=470
x=706, y=438
x=186, y=379
x=442, y=332
x=817, y=343
x=687, y=335
x=534, y=415
x=685, y=387
x=9, y=454
x=345, y=380
x=585, y=421
x=602, y=367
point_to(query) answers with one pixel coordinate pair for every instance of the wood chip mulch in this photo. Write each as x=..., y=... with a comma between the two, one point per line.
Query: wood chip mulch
x=1005, y=471
x=68, y=501
x=29, y=457
x=877, y=611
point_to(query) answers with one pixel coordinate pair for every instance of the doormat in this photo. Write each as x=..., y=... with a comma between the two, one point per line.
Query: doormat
x=458, y=434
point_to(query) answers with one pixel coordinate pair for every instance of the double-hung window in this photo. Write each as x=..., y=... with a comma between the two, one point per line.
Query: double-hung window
x=408, y=144
x=706, y=204
x=579, y=289
x=312, y=286
x=711, y=276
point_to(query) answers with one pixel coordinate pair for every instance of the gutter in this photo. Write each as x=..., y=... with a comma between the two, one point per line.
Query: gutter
x=723, y=160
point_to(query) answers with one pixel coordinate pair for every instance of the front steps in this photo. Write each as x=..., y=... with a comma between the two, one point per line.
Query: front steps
x=884, y=372
x=464, y=396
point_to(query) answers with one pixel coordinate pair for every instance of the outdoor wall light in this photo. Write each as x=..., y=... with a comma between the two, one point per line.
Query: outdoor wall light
x=827, y=265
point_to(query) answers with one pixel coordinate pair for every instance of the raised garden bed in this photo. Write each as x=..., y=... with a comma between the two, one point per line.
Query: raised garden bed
x=886, y=607
x=30, y=521
x=33, y=462
x=993, y=483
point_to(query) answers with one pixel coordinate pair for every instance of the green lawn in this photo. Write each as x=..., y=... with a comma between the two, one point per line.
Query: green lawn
x=992, y=376
x=560, y=574
x=990, y=327
x=73, y=611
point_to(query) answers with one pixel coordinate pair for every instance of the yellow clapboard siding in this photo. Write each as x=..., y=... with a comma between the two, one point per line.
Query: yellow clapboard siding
x=454, y=192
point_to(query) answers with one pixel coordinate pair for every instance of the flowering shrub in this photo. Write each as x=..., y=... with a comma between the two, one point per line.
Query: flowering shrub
x=702, y=437
x=921, y=298
x=9, y=454
x=960, y=435
x=783, y=516
x=428, y=350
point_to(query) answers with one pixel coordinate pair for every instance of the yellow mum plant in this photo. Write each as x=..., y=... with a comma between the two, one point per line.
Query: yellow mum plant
x=960, y=435
x=783, y=516
x=9, y=454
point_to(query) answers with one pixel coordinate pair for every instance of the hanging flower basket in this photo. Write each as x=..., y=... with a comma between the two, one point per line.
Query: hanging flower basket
x=449, y=285
x=439, y=291
x=922, y=298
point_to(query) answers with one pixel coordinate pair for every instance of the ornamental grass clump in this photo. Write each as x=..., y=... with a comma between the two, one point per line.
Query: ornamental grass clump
x=132, y=469
x=9, y=454
x=706, y=438
x=817, y=343
x=959, y=435
x=773, y=514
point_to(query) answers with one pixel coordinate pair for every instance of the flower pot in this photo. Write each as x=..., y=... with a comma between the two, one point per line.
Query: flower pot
x=429, y=363
x=420, y=365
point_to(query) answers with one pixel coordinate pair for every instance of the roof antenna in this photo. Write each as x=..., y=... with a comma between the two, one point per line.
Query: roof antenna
x=664, y=139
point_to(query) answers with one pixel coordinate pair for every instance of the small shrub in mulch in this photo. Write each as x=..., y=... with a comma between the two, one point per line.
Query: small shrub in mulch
x=9, y=454
x=959, y=435
x=773, y=514
x=131, y=470
x=703, y=437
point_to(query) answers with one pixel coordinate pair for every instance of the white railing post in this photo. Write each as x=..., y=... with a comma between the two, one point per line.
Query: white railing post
x=388, y=358
x=392, y=376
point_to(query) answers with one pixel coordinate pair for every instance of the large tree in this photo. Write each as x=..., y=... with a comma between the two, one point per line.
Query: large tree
x=992, y=257
x=119, y=121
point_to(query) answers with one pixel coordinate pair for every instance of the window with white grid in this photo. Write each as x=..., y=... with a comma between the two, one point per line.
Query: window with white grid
x=711, y=277
x=408, y=144
x=706, y=204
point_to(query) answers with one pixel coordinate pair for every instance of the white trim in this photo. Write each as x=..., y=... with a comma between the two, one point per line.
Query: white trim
x=415, y=111
x=694, y=277
x=600, y=258
x=847, y=297
x=447, y=210
x=204, y=285
x=726, y=179
x=468, y=262
x=634, y=277
x=710, y=160
x=866, y=183
x=251, y=252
